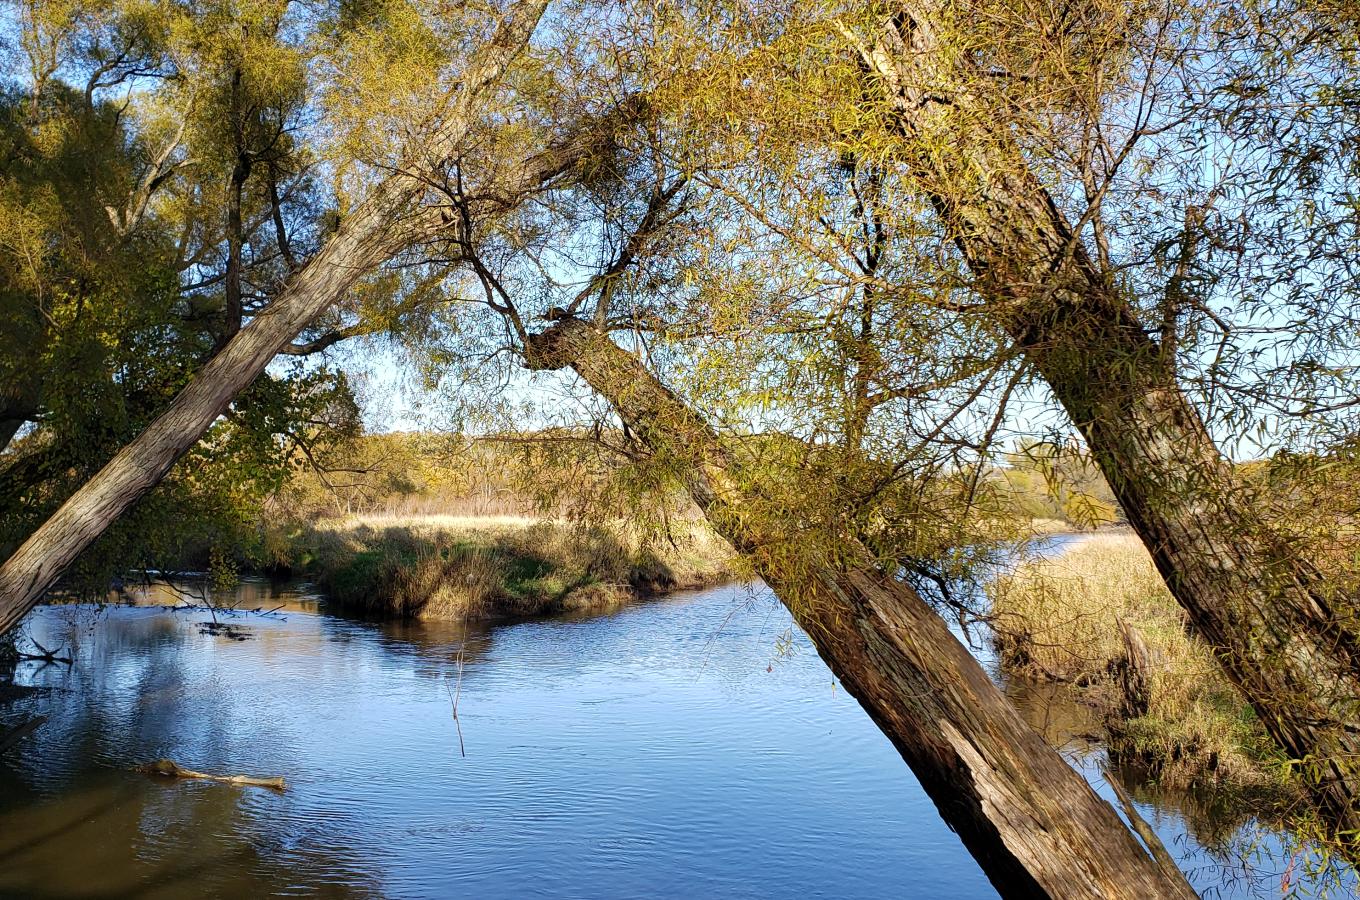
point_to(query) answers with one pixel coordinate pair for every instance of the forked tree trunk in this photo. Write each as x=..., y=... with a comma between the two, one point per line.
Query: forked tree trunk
x=1033, y=824
x=369, y=235
x=1281, y=637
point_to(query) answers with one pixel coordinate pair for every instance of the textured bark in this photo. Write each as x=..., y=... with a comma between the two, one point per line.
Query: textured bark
x=1135, y=672
x=1033, y=824
x=1277, y=632
x=370, y=234
x=233, y=305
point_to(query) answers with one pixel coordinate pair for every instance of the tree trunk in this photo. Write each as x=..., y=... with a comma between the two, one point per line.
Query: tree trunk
x=366, y=237
x=1135, y=672
x=1278, y=633
x=233, y=307
x=1033, y=824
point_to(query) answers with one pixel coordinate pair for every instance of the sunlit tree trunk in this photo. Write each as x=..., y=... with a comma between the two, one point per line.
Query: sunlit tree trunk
x=1279, y=634
x=1033, y=824
x=370, y=234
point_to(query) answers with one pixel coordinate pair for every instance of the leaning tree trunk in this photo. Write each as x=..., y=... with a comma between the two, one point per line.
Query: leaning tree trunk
x=369, y=235
x=1278, y=633
x=1033, y=824
x=1276, y=629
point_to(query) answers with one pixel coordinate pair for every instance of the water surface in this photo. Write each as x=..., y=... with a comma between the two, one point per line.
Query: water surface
x=684, y=747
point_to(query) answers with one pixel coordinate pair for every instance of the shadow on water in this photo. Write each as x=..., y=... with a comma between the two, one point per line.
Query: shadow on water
x=1217, y=832
x=114, y=837
x=689, y=744
x=1214, y=817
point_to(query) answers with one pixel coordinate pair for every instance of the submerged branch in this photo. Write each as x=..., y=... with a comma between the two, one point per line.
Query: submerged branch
x=169, y=769
x=16, y=734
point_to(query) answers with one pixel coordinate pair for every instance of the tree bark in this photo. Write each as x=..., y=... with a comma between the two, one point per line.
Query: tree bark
x=370, y=234
x=1281, y=637
x=233, y=306
x=1032, y=823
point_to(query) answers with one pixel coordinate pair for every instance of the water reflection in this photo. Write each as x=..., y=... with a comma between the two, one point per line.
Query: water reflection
x=1217, y=834
x=669, y=749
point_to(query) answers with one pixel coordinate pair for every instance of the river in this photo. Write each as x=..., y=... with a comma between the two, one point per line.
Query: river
x=689, y=746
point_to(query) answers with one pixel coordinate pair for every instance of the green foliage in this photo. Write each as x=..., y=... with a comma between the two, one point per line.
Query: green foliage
x=115, y=275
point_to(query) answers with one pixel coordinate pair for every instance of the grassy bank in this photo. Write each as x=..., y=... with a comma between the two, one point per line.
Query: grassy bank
x=1099, y=619
x=454, y=568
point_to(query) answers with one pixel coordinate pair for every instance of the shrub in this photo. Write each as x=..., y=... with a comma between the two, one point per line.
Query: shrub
x=1065, y=619
x=443, y=567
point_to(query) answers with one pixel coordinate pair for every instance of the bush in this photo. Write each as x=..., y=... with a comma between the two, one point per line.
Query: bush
x=1062, y=619
x=444, y=567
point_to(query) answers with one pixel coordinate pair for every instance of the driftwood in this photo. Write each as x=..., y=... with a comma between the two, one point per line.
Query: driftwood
x=169, y=769
x=1134, y=672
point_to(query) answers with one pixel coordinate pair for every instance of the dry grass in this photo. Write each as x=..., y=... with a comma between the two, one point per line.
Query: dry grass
x=465, y=567
x=429, y=522
x=1042, y=526
x=1059, y=619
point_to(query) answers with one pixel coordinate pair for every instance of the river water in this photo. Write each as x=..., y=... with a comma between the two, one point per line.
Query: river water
x=690, y=746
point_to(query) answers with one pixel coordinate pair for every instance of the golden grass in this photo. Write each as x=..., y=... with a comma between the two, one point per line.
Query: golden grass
x=1059, y=619
x=464, y=567
x=1042, y=526
x=428, y=522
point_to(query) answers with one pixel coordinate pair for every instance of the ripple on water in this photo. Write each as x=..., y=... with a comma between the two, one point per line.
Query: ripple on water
x=669, y=749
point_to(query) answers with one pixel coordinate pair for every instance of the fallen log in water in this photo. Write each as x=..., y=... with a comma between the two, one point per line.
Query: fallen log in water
x=12, y=736
x=170, y=769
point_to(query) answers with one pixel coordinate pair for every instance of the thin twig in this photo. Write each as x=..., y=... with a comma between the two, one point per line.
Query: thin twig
x=453, y=699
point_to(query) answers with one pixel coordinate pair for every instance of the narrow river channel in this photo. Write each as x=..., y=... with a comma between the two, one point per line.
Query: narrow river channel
x=690, y=746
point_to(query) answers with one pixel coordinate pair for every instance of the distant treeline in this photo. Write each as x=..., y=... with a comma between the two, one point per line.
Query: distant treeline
x=229, y=515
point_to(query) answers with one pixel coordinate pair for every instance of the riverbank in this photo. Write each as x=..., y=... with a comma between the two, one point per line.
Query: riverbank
x=458, y=568
x=1098, y=619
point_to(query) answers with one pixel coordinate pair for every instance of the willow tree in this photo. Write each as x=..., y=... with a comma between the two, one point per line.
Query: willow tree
x=1136, y=201
x=1032, y=823
x=121, y=191
x=118, y=239
x=633, y=255
x=440, y=75
x=1280, y=630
